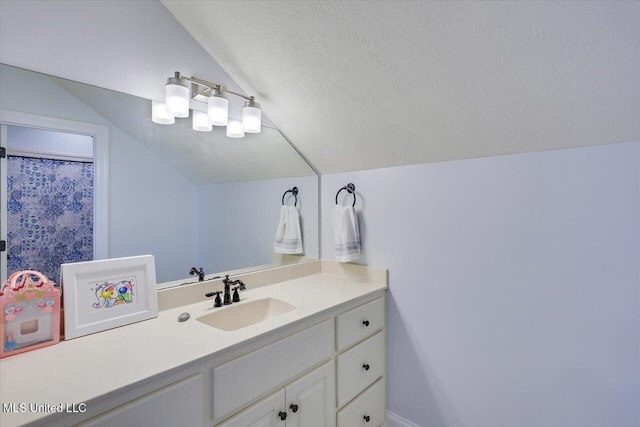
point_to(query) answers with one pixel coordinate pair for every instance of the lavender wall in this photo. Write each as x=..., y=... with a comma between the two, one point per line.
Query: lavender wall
x=514, y=286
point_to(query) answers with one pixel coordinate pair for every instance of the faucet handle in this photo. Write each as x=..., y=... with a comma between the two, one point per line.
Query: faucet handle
x=236, y=296
x=218, y=301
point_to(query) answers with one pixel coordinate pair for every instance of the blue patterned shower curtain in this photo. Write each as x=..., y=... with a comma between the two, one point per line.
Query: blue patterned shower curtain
x=50, y=214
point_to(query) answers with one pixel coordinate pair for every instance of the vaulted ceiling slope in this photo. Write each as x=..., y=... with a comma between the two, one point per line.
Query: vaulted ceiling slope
x=360, y=85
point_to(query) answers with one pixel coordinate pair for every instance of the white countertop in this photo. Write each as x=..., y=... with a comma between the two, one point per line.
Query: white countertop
x=89, y=367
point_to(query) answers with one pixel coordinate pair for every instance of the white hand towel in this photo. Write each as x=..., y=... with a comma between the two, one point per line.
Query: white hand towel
x=346, y=234
x=288, y=236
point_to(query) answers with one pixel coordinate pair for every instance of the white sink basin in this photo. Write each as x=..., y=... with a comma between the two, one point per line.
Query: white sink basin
x=246, y=314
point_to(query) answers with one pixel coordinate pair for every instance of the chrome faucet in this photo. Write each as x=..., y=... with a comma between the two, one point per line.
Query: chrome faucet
x=200, y=273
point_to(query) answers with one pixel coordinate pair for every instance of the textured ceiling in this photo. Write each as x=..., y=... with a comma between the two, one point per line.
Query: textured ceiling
x=359, y=85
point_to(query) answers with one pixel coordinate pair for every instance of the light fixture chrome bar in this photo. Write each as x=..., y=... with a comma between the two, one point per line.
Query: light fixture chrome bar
x=216, y=86
x=204, y=83
x=199, y=92
x=248, y=98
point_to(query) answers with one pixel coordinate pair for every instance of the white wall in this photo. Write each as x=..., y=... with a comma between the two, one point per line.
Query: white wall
x=514, y=286
x=238, y=221
x=152, y=209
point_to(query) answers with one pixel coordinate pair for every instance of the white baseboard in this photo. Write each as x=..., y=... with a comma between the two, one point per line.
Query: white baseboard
x=394, y=420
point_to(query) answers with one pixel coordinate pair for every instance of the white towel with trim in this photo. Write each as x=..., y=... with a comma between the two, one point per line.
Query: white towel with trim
x=288, y=235
x=346, y=234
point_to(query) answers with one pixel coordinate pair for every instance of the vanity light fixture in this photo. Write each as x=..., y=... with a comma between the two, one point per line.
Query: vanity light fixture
x=251, y=117
x=234, y=129
x=201, y=122
x=218, y=108
x=159, y=113
x=176, y=95
x=181, y=90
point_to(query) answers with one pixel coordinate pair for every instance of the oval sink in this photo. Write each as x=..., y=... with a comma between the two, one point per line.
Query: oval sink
x=246, y=314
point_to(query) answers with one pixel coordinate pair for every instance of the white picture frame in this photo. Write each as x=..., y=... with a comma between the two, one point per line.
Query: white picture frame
x=106, y=294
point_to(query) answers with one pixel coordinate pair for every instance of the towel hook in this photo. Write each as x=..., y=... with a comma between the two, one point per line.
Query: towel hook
x=350, y=189
x=293, y=191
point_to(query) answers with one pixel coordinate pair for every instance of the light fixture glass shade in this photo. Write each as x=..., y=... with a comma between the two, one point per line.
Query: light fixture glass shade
x=177, y=97
x=251, y=117
x=234, y=129
x=218, y=108
x=159, y=114
x=201, y=122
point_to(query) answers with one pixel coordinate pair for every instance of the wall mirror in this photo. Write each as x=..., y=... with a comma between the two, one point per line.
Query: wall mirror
x=191, y=199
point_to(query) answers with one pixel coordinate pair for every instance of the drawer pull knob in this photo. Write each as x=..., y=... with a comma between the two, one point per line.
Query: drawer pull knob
x=365, y=322
x=282, y=415
x=367, y=418
x=294, y=408
x=365, y=366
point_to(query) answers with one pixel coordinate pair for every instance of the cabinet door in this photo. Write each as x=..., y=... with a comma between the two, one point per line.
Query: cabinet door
x=311, y=400
x=244, y=379
x=265, y=413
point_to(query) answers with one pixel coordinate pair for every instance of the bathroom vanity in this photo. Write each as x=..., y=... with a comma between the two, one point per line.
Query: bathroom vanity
x=305, y=346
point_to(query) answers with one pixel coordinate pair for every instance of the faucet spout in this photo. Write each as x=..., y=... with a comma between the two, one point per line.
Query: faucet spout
x=227, y=289
x=200, y=273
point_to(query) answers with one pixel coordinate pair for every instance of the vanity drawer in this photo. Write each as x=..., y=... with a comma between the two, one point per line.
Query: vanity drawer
x=359, y=367
x=242, y=380
x=360, y=322
x=370, y=404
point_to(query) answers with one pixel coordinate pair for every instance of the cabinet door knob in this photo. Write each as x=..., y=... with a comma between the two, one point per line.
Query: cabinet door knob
x=367, y=418
x=282, y=415
x=365, y=366
x=365, y=322
x=294, y=408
